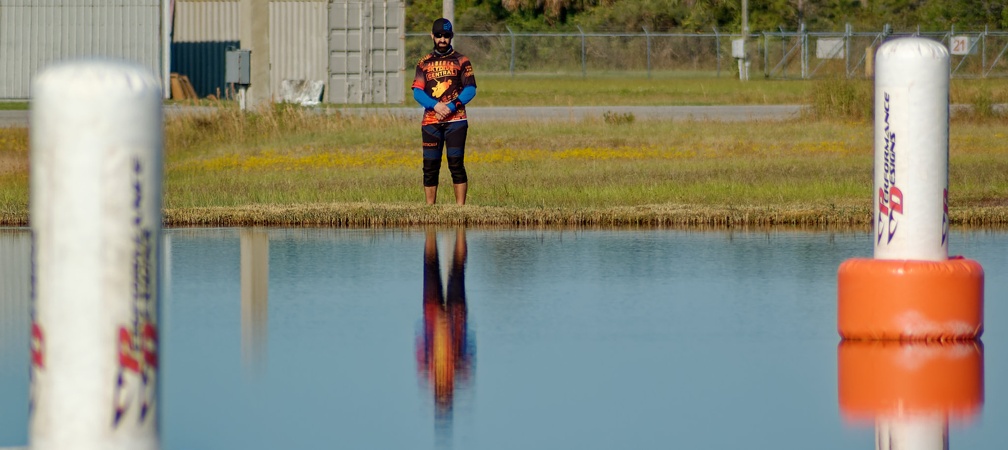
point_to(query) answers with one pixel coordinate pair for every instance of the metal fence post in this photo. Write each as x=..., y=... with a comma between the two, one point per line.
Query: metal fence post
x=584, y=67
x=717, y=50
x=512, y=49
x=847, y=43
x=783, y=50
x=766, y=55
x=804, y=52
x=983, y=53
x=647, y=38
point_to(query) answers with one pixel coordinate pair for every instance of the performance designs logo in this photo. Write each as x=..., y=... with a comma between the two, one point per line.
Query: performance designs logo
x=890, y=196
x=136, y=381
x=945, y=218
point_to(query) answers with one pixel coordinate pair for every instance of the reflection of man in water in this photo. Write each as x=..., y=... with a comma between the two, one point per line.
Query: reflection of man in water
x=445, y=351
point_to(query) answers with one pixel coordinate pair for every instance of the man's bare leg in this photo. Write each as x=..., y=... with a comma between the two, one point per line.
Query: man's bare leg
x=460, y=193
x=431, y=193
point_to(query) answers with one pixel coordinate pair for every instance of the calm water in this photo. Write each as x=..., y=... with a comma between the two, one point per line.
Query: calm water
x=403, y=339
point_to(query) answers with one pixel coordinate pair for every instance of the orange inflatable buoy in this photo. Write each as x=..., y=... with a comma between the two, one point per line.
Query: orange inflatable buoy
x=880, y=299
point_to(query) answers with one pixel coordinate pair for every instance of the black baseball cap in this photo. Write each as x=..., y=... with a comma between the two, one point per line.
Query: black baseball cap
x=442, y=26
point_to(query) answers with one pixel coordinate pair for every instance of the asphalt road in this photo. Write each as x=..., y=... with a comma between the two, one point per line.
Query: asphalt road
x=576, y=113
x=734, y=113
x=13, y=118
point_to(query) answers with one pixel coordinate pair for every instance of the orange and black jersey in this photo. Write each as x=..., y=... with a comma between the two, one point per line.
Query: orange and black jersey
x=443, y=77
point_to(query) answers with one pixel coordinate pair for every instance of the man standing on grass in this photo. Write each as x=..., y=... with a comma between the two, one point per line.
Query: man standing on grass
x=444, y=83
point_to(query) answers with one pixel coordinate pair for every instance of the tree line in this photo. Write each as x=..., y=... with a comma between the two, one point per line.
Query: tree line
x=705, y=16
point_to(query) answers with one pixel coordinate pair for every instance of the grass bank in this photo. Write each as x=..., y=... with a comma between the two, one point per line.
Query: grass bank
x=339, y=171
x=288, y=166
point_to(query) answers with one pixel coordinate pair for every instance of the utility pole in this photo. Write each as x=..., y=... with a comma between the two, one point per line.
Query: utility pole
x=448, y=11
x=745, y=18
x=254, y=36
x=744, y=60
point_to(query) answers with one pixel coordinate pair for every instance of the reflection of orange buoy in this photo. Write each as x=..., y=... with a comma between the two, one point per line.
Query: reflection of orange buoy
x=910, y=300
x=910, y=390
x=892, y=379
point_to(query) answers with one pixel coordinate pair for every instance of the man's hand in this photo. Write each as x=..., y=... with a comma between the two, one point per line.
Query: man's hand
x=441, y=109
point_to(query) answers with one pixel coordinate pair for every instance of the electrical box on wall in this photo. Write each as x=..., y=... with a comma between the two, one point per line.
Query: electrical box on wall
x=236, y=66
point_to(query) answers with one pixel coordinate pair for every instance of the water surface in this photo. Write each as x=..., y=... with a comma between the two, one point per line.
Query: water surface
x=384, y=339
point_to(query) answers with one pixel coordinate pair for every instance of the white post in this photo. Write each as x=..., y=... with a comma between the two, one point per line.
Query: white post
x=911, y=150
x=95, y=205
x=241, y=97
x=916, y=432
x=743, y=64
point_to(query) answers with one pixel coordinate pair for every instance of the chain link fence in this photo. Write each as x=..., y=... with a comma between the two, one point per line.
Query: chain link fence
x=773, y=54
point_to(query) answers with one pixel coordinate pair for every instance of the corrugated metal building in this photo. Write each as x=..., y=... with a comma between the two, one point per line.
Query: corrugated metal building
x=297, y=41
x=315, y=40
x=37, y=33
x=355, y=47
x=202, y=32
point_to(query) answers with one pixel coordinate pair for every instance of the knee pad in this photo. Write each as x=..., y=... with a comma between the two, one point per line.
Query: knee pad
x=431, y=169
x=457, y=168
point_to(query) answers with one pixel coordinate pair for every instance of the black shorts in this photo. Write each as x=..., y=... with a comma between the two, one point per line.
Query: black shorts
x=436, y=138
x=450, y=135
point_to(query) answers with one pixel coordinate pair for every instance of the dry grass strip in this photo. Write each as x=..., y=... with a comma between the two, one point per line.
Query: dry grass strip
x=647, y=216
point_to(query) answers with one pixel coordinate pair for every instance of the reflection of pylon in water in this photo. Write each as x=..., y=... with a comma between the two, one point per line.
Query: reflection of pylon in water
x=910, y=390
x=444, y=356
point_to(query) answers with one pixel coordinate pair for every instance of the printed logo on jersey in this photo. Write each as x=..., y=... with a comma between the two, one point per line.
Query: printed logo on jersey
x=441, y=69
x=440, y=88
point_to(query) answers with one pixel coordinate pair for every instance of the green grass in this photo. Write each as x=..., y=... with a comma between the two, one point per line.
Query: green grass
x=293, y=166
x=349, y=170
x=13, y=105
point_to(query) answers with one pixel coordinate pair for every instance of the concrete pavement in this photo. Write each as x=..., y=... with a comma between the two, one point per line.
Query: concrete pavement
x=726, y=113
x=13, y=118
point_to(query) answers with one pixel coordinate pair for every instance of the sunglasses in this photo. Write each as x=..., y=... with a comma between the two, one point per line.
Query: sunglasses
x=443, y=35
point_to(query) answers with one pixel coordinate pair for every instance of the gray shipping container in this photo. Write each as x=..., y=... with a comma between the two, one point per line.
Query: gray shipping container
x=366, y=51
x=37, y=33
